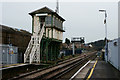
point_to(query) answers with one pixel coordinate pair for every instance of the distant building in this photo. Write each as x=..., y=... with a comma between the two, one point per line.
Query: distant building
x=90, y=45
x=14, y=37
x=77, y=46
x=113, y=53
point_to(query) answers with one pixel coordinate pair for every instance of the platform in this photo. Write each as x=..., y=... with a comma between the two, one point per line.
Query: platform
x=7, y=66
x=98, y=70
x=84, y=71
x=105, y=70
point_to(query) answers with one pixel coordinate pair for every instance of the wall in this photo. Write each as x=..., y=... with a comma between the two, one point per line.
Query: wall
x=113, y=53
x=9, y=54
x=57, y=34
x=49, y=32
x=36, y=24
x=119, y=53
x=119, y=33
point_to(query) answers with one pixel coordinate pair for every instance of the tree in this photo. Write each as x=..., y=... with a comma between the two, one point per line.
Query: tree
x=82, y=41
x=67, y=41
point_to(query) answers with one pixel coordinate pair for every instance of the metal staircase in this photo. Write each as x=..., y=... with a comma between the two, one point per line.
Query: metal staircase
x=32, y=53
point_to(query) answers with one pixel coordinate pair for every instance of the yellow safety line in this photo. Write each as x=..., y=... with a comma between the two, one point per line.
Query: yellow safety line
x=92, y=71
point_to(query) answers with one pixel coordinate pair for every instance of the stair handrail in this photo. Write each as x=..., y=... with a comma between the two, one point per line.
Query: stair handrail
x=40, y=38
x=28, y=50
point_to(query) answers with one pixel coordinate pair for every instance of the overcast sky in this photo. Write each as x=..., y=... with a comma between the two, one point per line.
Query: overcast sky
x=83, y=19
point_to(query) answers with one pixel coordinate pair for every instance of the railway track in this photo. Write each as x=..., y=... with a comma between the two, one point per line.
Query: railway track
x=55, y=71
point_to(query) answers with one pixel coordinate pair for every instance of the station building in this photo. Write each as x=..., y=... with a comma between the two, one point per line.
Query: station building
x=13, y=43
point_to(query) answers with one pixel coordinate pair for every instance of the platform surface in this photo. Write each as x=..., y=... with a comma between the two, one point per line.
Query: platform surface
x=101, y=71
x=105, y=70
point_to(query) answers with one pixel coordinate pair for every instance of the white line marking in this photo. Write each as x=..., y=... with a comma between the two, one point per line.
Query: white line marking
x=80, y=70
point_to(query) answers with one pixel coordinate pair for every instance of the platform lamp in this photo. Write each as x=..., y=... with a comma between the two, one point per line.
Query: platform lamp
x=106, y=44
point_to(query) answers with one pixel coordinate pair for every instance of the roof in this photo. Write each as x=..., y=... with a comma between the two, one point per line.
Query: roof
x=7, y=29
x=46, y=10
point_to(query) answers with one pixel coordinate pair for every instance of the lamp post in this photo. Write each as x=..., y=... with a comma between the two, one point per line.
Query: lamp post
x=106, y=44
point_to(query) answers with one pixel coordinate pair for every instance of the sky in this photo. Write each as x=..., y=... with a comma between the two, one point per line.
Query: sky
x=83, y=19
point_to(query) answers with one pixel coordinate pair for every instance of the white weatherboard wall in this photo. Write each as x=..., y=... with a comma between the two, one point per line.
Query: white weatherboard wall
x=49, y=32
x=57, y=34
x=36, y=24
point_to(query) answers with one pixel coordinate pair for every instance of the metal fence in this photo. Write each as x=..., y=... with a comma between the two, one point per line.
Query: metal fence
x=70, y=52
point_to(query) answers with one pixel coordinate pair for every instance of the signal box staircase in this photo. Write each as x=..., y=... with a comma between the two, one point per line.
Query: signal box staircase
x=32, y=53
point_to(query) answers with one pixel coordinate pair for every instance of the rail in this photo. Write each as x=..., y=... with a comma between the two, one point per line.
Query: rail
x=51, y=72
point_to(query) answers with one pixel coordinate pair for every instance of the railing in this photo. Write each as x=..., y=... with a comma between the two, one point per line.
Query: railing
x=37, y=45
x=33, y=48
x=28, y=50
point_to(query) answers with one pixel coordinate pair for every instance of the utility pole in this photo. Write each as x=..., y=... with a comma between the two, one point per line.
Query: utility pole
x=73, y=48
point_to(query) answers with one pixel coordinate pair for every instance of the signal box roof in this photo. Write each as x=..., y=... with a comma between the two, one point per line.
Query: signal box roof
x=46, y=10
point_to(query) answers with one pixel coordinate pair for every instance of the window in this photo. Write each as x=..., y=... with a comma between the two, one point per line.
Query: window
x=57, y=23
x=48, y=20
